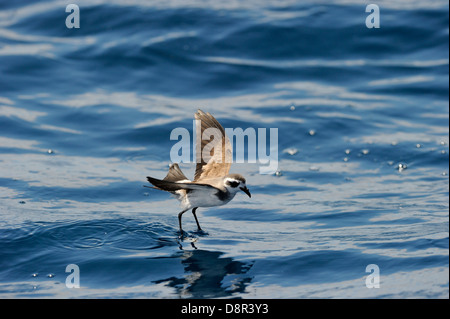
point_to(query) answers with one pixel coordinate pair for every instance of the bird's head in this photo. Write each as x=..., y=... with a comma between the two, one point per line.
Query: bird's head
x=234, y=183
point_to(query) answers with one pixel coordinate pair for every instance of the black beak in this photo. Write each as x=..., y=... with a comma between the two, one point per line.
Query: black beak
x=245, y=190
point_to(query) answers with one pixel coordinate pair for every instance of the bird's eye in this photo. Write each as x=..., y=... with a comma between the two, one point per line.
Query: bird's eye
x=233, y=184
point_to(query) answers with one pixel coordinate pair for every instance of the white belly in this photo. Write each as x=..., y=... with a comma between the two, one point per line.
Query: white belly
x=202, y=199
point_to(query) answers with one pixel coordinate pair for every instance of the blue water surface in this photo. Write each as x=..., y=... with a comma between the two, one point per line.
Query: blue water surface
x=362, y=178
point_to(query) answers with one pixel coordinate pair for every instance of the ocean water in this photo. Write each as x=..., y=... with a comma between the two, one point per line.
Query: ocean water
x=361, y=195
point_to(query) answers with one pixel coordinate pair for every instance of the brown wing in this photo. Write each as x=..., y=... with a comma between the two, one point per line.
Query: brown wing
x=175, y=174
x=214, y=151
x=172, y=187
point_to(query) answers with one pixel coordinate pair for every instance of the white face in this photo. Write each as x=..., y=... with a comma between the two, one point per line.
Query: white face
x=234, y=185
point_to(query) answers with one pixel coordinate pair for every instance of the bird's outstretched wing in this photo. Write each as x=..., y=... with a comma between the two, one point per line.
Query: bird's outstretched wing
x=172, y=187
x=213, y=148
x=175, y=174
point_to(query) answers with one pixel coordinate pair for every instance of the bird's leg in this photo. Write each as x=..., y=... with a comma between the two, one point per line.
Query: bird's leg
x=195, y=216
x=179, y=220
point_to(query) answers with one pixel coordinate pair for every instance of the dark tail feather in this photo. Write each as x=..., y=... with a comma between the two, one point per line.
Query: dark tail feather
x=165, y=185
x=172, y=187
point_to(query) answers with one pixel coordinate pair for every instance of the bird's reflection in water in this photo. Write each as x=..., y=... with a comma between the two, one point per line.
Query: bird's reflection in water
x=207, y=275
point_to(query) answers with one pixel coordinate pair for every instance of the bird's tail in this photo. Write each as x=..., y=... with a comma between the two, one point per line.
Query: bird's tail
x=174, y=175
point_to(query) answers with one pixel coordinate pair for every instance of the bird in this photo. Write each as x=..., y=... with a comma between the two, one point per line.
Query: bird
x=212, y=185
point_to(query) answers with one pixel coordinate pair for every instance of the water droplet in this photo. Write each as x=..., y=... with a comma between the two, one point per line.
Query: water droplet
x=50, y=151
x=443, y=152
x=51, y=275
x=390, y=163
x=444, y=173
x=35, y=274
x=401, y=167
x=146, y=194
x=347, y=151
x=345, y=159
x=278, y=173
x=393, y=143
x=292, y=108
x=365, y=151
x=312, y=132
x=314, y=168
x=418, y=145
